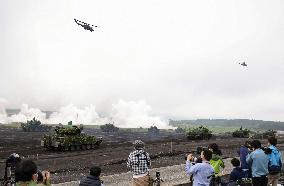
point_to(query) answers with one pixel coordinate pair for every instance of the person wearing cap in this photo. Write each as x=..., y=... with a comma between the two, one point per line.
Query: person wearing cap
x=139, y=161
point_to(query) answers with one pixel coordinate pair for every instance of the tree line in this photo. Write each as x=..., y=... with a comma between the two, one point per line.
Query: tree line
x=246, y=123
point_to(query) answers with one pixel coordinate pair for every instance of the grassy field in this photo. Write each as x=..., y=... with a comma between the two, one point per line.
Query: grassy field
x=214, y=129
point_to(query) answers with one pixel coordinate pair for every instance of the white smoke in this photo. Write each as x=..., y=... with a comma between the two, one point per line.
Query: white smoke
x=135, y=114
x=3, y=114
x=88, y=115
x=124, y=114
x=27, y=113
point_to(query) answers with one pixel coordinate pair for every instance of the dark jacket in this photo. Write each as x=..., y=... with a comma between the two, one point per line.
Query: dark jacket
x=243, y=152
x=90, y=181
x=237, y=174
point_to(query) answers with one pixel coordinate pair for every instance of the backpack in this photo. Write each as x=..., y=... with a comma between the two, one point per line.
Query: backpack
x=274, y=168
x=146, y=158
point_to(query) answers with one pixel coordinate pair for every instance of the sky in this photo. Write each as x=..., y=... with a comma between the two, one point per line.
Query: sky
x=153, y=58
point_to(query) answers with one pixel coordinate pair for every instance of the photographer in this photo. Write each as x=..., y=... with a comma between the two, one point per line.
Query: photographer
x=275, y=162
x=243, y=152
x=27, y=175
x=202, y=172
x=259, y=164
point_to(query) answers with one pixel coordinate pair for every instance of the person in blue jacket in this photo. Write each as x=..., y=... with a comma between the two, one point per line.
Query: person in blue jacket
x=259, y=164
x=202, y=172
x=243, y=152
x=275, y=162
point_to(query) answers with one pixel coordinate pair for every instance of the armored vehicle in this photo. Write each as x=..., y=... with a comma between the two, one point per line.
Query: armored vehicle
x=199, y=133
x=241, y=133
x=153, y=130
x=35, y=126
x=109, y=128
x=69, y=138
x=263, y=135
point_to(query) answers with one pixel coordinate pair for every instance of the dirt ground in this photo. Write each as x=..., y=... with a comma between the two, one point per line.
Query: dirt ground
x=166, y=148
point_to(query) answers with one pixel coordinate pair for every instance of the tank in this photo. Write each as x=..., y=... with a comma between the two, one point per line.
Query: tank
x=199, y=133
x=35, y=126
x=69, y=138
x=153, y=130
x=241, y=133
x=109, y=128
x=264, y=135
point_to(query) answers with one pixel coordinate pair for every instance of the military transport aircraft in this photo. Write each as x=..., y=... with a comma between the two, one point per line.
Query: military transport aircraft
x=86, y=26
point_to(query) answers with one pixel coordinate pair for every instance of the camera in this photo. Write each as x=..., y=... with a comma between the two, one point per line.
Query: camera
x=192, y=160
x=158, y=174
x=158, y=180
x=39, y=176
x=199, y=149
x=266, y=150
x=197, y=158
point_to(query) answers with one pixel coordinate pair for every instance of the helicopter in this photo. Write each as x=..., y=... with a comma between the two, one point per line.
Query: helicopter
x=243, y=64
x=86, y=26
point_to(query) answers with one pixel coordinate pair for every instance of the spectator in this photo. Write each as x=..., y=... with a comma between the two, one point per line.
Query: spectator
x=243, y=152
x=27, y=175
x=259, y=164
x=93, y=179
x=12, y=163
x=275, y=162
x=202, y=172
x=139, y=162
x=216, y=162
x=237, y=173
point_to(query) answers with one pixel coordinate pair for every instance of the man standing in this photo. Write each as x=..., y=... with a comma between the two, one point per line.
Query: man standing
x=259, y=164
x=202, y=172
x=275, y=162
x=139, y=162
x=243, y=152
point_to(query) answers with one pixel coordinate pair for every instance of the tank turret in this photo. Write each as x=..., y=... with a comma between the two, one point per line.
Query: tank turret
x=70, y=138
x=35, y=126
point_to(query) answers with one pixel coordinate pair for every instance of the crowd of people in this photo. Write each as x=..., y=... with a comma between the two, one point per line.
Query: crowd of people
x=256, y=165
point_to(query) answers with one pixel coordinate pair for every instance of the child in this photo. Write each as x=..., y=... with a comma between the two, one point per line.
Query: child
x=237, y=173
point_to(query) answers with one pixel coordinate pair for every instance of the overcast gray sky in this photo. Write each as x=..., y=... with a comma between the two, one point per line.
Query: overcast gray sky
x=179, y=57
